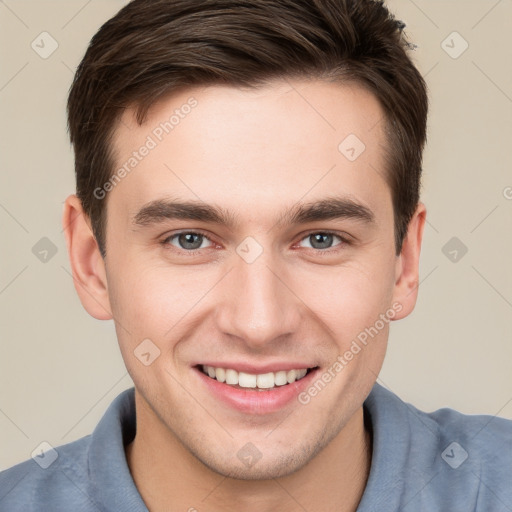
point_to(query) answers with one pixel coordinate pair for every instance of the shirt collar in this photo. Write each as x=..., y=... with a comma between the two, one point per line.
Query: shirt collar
x=385, y=415
x=109, y=473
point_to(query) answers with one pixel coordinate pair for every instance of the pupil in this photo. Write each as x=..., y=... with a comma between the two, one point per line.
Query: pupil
x=317, y=240
x=187, y=240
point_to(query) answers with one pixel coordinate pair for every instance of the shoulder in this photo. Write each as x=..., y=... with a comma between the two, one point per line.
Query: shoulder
x=86, y=475
x=442, y=459
x=482, y=441
x=480, y=433
x=47, y=478
x=473, y=460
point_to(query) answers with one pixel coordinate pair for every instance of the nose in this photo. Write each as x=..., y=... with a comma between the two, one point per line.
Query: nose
x=258, y=304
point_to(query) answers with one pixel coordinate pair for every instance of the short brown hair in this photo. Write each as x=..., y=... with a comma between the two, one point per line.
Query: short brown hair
x=152, y=47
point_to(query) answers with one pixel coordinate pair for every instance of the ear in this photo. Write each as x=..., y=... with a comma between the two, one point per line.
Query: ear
x=87, y=264
x=407, y=264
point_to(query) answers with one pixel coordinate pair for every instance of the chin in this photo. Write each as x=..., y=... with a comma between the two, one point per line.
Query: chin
x=249, y=463
x=259, y=471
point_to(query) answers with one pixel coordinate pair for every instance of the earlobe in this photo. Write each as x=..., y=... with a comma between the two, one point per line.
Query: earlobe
x=407, y=265
x=87, y=265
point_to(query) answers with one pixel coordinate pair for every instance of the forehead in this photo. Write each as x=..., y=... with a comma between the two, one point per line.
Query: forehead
x=254, y=150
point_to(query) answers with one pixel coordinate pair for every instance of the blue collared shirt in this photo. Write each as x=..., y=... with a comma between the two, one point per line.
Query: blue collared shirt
x=441, y=461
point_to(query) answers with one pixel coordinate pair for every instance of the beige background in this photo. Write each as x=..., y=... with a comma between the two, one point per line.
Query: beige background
x=60, y=368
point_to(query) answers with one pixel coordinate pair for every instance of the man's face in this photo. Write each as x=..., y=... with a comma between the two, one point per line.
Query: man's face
x=265, y=292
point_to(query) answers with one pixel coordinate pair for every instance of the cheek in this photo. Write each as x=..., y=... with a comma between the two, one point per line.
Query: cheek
x=150, y=303
x=152, y=300
x=348, y=298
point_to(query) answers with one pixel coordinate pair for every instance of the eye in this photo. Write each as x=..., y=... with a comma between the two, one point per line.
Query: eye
x=187, y=240
x=192, y=241
x=322, y=240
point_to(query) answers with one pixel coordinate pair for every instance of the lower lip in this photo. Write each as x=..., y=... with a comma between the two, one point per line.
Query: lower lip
x=251, y=400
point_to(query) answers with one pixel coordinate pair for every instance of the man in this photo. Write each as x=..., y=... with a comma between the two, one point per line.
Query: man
x=248, y=214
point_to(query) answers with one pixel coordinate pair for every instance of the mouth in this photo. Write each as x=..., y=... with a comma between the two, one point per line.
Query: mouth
x=267, y=381
x=259, y=393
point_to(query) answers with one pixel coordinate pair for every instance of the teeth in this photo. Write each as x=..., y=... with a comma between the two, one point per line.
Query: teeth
x=248, y=380
x=280, y=378
x=220, y=374
x=291, y=376
x=231, y=377
x=265, y=380
x=301, y=373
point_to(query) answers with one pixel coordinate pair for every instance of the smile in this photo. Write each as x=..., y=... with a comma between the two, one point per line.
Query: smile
x=262, y=381
x=255, y=390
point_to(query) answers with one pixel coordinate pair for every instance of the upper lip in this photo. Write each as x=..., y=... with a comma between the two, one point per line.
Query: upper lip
x=258, y=369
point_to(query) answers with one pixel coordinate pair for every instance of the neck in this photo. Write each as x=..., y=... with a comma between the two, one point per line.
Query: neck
x=170, y=478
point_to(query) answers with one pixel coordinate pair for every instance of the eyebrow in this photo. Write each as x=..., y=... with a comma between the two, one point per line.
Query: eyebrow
x=160, y=210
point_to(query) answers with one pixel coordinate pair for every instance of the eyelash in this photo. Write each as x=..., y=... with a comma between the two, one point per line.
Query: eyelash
x=344, y=241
